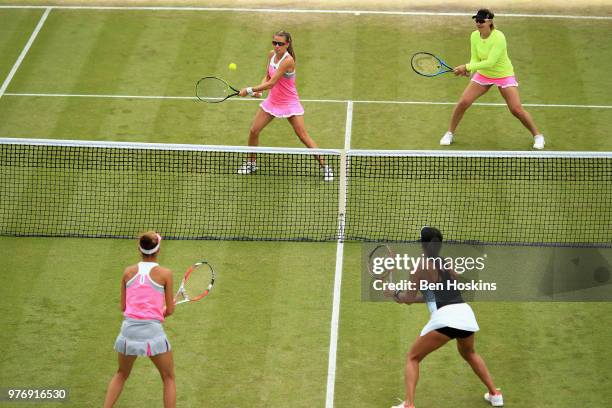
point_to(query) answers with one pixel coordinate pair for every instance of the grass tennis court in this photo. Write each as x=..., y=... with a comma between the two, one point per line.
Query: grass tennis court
x=262, y=337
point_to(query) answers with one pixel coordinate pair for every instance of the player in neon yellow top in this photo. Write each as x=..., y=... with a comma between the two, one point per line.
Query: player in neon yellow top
x=490, y=55
x=490, y=65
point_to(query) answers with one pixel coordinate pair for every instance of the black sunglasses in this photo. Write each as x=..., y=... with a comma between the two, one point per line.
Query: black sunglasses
x=480, y=20
x=279, y=43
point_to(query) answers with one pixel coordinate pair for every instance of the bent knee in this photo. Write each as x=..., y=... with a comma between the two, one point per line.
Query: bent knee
x=123, y=374
x=467, y=353
x=300, y=131
x=410, y=356
x=517, y=110
x=167, y=375
x=464, y=103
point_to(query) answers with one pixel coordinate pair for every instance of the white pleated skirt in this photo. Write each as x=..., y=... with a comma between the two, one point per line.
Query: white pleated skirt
x=142, y=338
x=459, y=316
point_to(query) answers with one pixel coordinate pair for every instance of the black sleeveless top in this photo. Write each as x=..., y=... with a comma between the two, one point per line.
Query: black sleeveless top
x=443, y=296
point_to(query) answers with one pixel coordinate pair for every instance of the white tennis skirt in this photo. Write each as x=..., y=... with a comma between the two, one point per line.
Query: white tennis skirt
x=142, y=338
x=458, y=316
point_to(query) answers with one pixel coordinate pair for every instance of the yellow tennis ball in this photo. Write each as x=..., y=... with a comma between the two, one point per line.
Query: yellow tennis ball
x=232, y=66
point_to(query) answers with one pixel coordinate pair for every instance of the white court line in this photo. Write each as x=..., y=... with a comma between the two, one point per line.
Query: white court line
x=333, y=337
x=538, y=105
x=343, y=101
x=25, y=50
x=309, y=11
x=349, y=126
x=60, y=95
x=335, y=318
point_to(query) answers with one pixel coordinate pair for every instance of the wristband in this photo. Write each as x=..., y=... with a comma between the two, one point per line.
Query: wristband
x=250, y=91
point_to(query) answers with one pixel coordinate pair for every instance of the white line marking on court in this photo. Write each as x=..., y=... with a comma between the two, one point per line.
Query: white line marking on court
x=335, y=319
x=310, y=11
x=25, y=50
x=60, y=95
x=343, y=101
x=538, y=105
x=349, y=126
x=333, y=338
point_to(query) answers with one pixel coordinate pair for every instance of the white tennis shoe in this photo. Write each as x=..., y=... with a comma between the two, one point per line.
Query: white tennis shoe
x=248, y=168
x=328, y=174
x=495, y=400
x=538, y=142
x=401, y=405
x=447, y=139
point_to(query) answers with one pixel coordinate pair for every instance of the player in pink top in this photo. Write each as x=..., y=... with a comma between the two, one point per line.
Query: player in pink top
x=282, y=101
x=146, y=299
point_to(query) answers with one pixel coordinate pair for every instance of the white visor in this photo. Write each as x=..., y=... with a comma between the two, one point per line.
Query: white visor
x=154, y=249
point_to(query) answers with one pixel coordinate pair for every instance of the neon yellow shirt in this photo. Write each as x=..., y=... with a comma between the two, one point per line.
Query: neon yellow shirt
x=490, y=56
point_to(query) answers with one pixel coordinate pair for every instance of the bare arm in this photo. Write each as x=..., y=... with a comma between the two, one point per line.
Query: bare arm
x=128, y=274
x=122, y=301
x=256, y=94
x=284, y=67
x=287, y=65
x=266, y=76
x=168, y=292
x=411, y=296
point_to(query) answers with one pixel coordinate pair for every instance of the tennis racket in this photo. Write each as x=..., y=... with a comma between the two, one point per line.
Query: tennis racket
x=380, y=251
x=214, y=90
x=196, y=284
x=428, y=65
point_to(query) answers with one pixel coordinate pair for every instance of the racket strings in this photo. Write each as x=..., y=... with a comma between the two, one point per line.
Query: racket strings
x=427, y=64
x=196, y=284
x=212, y=89
x=199, y=282
x=380, y=252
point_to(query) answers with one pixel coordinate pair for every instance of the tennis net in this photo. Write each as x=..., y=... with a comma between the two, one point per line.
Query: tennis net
x=107, y=189
x=558, y=198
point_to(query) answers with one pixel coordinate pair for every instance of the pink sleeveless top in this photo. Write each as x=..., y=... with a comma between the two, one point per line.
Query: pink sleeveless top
x=283, y=100
x=145, y=298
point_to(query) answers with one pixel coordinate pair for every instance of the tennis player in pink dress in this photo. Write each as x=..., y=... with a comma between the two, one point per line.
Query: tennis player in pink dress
x=146, y=300
x=283, y=101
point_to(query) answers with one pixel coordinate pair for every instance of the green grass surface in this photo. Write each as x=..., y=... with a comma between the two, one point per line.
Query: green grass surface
x=262, y=337
x=15, y=28
x=339, y=57
x=182, y=194
x=494, y=200
x=540, y=354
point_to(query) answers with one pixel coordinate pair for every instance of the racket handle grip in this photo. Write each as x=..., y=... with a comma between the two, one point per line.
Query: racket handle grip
x=250, y=91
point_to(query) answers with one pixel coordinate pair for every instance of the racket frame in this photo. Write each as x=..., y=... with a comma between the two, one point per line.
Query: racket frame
x=389, y=253
x=204, y=99
x=444, y=68
x=181, y=290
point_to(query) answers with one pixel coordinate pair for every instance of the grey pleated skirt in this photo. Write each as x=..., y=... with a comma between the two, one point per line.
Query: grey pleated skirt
x=142, y=338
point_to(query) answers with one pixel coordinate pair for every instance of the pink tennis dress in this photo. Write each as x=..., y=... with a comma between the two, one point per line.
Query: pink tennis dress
x=144, y=298
x=283, y=100
x=141, y=332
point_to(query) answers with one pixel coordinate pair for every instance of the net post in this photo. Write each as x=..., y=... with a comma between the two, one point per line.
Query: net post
x=335, y=318
x=342, y=196
x=342, y=185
